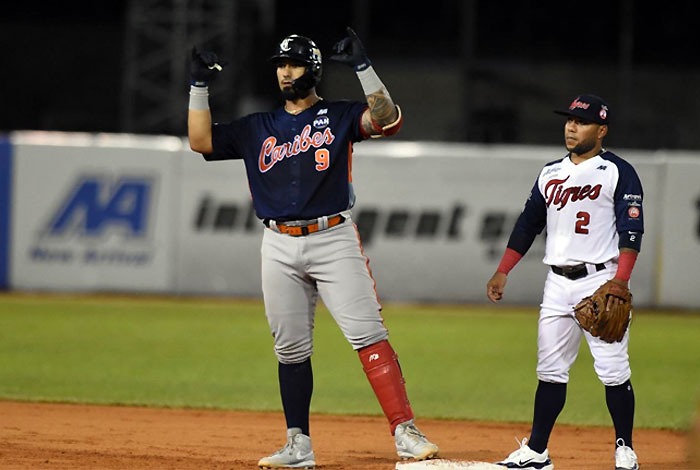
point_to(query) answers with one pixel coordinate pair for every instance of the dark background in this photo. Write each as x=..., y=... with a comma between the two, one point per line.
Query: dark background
x=480, y=71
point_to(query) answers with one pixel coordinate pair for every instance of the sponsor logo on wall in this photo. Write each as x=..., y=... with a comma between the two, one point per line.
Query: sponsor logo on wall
x=375, y=223
x=99, y=221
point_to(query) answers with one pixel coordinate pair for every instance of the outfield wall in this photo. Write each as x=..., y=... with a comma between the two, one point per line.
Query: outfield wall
x=126, y=213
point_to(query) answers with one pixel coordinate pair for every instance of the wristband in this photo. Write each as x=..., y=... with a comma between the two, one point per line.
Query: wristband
x=625, y=263
x=369, y=80
x=363, y=66
x=199, y=97
x=509, y=260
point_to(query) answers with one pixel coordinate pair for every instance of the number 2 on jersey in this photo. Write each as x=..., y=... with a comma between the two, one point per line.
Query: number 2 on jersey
x=582, y=220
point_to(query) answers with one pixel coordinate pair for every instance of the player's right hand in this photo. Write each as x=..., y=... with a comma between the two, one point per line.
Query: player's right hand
x=495, y=286
x=204, y=67
x=350, y=51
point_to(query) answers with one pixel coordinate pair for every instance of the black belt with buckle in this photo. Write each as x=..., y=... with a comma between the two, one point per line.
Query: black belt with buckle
x=576, y=272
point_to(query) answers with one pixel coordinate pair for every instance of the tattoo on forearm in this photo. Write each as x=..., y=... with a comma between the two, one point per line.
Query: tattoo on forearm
x=382, y=108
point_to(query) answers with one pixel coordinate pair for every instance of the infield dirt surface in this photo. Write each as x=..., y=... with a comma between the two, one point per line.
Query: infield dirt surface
x=67, y=436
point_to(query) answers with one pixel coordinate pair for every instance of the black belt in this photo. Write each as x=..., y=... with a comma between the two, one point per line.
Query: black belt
x=297, y=230
x=576, y=272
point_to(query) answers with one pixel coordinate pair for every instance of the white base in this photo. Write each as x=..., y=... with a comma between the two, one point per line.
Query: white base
x=446, y=464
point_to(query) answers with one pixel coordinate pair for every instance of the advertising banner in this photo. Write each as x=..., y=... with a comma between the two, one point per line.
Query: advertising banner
x=93, y=213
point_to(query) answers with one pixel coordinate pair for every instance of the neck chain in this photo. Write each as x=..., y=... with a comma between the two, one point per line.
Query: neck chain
x=299, y=111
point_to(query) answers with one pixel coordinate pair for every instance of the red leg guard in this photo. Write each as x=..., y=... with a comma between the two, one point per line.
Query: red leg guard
x=381, y=365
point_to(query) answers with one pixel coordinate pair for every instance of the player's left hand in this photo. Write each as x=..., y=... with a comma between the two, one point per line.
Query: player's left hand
x=350, y=51
x=614, y=301
x=204, y=67
x=605, y=318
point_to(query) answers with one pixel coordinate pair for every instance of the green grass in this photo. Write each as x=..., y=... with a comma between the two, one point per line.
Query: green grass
x=460, y=362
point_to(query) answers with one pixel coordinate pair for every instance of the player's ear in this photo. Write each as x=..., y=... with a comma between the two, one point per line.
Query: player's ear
x=602, y=131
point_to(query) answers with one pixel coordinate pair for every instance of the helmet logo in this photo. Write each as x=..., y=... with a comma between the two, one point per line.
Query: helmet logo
x=300, y=50
x=284, y=45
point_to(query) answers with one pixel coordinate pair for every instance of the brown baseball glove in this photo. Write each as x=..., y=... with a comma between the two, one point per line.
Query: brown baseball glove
x=593, y=315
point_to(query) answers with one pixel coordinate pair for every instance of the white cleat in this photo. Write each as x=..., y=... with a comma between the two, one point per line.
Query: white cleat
x=625, y=457
x=297, y=453
x=412, y=444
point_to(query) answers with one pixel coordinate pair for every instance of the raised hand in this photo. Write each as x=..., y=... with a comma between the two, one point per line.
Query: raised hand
x=350, y=51
x=204, y=67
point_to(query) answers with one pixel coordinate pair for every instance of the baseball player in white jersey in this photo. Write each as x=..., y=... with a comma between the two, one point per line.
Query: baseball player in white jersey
x=590, y=202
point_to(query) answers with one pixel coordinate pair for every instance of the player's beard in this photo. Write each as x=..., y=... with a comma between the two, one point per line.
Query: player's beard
x=582, y=148
x=301, y=87
x=292, y=94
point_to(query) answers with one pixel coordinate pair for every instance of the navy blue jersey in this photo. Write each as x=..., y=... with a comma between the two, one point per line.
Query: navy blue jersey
x=590, y=210
x=298, y=166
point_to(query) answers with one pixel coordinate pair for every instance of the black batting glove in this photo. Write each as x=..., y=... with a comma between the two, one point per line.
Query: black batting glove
x=204, y=67
x=350, y=51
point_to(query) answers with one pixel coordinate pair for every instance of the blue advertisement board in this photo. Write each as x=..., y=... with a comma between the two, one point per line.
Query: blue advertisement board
x=5, y=198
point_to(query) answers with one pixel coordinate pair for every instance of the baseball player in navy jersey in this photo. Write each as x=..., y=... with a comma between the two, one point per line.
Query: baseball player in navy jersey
x=298, y=159
x=590, y=203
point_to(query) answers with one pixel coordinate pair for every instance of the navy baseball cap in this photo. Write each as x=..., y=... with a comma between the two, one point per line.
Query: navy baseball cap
x=590, y=108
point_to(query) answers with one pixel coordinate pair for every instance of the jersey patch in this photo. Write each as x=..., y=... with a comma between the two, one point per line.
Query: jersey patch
x=321, y=122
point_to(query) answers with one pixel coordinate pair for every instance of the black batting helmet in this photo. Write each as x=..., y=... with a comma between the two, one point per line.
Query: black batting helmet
x=304, y=50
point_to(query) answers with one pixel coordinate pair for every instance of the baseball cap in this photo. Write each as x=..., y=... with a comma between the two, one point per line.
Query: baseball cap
x=589, y=108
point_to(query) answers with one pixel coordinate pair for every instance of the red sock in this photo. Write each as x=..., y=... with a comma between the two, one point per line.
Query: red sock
x=381, y=365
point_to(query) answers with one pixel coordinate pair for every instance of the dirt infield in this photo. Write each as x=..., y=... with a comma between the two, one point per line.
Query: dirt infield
x=62, y=436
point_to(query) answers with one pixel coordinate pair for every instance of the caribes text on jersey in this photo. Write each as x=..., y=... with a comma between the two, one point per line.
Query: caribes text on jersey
x=271, y=153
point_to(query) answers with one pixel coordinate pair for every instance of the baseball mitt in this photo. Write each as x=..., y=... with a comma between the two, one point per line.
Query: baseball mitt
x=593, y=315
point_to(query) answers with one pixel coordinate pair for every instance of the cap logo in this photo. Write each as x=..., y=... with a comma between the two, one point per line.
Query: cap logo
x=588, y=108
x=578, y=104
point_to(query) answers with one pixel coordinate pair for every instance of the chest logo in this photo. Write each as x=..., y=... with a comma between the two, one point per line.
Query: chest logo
x=555, y=192
x=271, y=153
